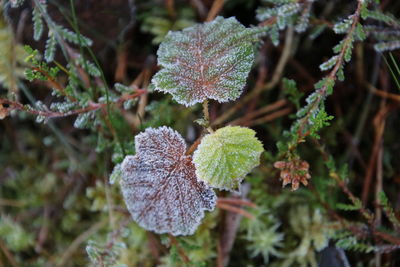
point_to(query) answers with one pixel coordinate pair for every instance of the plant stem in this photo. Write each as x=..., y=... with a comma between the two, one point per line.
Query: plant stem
x=207, y=116
x=205, y=111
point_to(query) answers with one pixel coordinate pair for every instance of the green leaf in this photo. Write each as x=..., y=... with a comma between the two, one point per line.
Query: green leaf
x=89, y=67
x=319, y=121
x=387, y=46
x=73, y=37
x=206, y=61
x=83, y=120
x=327, y=65
x=116, y=174
x=224, y=157
x=360, y=33
x=386, y=18
x=50, y=51
x=347, y=207
x=293, y=93
x=343, y=26
x=14, y=235
x=317, y=31
x=122, y=88
x=37, y=24
x=348, y=51
x=389, y=211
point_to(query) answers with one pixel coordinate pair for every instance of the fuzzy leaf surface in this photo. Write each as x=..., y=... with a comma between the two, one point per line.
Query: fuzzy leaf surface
x=207, y=61
x=224, y=157
x=160, y=186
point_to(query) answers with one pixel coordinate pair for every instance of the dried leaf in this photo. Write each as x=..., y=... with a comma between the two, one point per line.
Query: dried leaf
x=206, y=61
x=160, y=186
x=223, y=158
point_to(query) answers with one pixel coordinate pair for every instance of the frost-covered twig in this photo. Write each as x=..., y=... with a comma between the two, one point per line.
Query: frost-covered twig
x=10, y=105
x=314, y=110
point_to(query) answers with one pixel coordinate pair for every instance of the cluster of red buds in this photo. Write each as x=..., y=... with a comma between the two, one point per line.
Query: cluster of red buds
x=294, y=172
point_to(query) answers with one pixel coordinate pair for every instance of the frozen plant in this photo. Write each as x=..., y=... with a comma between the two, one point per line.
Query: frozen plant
x=164, y=189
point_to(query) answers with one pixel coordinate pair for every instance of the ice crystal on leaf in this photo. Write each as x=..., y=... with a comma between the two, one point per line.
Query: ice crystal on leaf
x=206, y=61
x=160, y=186
x=223, y=158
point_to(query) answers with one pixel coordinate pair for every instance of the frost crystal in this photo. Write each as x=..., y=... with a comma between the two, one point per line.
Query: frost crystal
x=160, y=186
x=226, y=156
x=206, y=61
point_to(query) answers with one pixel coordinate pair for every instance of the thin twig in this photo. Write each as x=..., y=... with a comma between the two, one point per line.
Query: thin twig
x=141, y=109
x=199, y=6
x=170, y=6
x=205, y=111
x=215, y=9
x=378, y=190
x=14, y=105
x=236, y=201
x=383, y=94
x=266, y=109
x=340, y=181
x=379, y=125
x=235, y=209
x=269, y=117
x=283, y=60
x=54, y=84
x=207, y=116
x=194, y=146
x=8, y=254
x=322, y=92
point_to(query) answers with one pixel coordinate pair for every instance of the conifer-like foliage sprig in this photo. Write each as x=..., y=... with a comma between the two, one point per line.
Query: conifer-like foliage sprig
x=92, y=103
x=277, y=15
x=312, y=117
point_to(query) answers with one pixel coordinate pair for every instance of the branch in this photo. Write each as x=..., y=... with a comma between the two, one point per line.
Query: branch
x=287, y=49
x=235, y=210
x=322, y=92
x=56, y=85
x=14, y=105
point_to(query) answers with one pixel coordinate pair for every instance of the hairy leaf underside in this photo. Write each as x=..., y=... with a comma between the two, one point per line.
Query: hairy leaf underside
x=160, y=186
x=206, y=61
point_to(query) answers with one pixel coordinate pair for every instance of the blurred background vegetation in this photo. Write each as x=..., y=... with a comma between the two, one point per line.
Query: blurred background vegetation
x=57, y=205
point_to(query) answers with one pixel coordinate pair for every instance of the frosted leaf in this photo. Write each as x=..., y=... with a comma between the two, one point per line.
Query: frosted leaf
x=89, y=67
x=288, y=9
x=84, y=120
x=387, y=46
x=327, y=65
x=73, y=37
x=343, y=26
x=51, y=45
x=116, y=174
x=37, y=24
x=223, y=158
x=160, y=186
x=122, y=88
x=206, y=61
